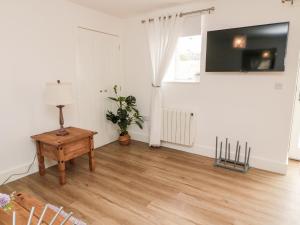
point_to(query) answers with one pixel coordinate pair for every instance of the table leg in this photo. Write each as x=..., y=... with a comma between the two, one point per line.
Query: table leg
x=92, y=155
x=62, y=172
x=61, y=166
x=72, y=161
x=41, y=159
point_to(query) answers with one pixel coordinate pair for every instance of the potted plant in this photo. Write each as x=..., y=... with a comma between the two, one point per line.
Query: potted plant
x=125, y=115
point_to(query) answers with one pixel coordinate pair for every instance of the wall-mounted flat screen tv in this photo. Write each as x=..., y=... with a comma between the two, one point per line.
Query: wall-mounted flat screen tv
x=247, y=49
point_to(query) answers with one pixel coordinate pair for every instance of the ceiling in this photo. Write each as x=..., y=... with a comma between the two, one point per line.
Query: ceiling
x=127, y=8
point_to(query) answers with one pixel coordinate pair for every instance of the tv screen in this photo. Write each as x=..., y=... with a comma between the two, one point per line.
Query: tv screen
x=256, y=48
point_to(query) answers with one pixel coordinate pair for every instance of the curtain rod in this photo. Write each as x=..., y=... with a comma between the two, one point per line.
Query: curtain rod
x=209, y=10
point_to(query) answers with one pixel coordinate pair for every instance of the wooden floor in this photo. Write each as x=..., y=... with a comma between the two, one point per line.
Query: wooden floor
x=135, y=185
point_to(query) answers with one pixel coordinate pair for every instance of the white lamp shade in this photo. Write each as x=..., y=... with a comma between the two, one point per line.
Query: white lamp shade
x=59, y=94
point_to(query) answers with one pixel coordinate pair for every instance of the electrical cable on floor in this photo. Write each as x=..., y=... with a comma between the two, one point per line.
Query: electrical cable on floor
x=19, y=174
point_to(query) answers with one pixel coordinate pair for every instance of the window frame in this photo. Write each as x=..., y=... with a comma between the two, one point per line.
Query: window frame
x=187, y=81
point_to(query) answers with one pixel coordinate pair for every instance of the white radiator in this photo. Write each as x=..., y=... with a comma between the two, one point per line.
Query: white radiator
x=177, y=127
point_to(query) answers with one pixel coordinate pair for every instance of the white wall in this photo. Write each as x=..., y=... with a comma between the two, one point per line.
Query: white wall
x=37, y=44
x=235, y=105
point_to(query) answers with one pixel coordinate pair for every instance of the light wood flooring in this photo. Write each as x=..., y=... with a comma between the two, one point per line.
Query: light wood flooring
x=140, y=186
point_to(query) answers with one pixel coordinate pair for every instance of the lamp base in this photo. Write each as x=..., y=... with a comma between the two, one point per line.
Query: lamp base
x=62, y=132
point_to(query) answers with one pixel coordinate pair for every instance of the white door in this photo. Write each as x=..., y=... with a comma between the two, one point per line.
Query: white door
x=98, y=68
x=295, y=136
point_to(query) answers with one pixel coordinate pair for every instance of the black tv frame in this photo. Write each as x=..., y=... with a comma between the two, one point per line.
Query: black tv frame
x=250, y=71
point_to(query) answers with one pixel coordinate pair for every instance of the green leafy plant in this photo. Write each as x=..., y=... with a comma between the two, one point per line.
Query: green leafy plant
x=126, y=114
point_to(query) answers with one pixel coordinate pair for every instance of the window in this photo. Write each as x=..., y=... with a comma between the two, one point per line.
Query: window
x=185, y=65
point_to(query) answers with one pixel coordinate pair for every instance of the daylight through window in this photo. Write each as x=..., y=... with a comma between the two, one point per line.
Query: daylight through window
x=185, y=65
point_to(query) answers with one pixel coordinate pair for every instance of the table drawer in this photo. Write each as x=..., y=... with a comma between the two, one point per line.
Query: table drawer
x=49, y=151
x=76, y=148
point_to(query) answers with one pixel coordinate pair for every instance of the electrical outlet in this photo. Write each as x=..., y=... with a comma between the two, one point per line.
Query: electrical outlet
x=278, y=86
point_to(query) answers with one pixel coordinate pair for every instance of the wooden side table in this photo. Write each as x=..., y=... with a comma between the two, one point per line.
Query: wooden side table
x=22, y=206
x=65, y=148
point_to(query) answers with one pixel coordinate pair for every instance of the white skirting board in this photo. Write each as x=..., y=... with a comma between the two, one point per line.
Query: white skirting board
x=21, y=169
x=255, y=162
x=258, y=163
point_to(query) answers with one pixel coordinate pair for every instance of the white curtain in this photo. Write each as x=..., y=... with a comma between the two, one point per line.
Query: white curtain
x=163, y=33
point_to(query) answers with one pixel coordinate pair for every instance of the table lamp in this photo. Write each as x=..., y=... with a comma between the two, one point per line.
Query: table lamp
x=59, y=95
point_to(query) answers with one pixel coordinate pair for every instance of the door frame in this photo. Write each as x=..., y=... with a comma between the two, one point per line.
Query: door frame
x=291, y=153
